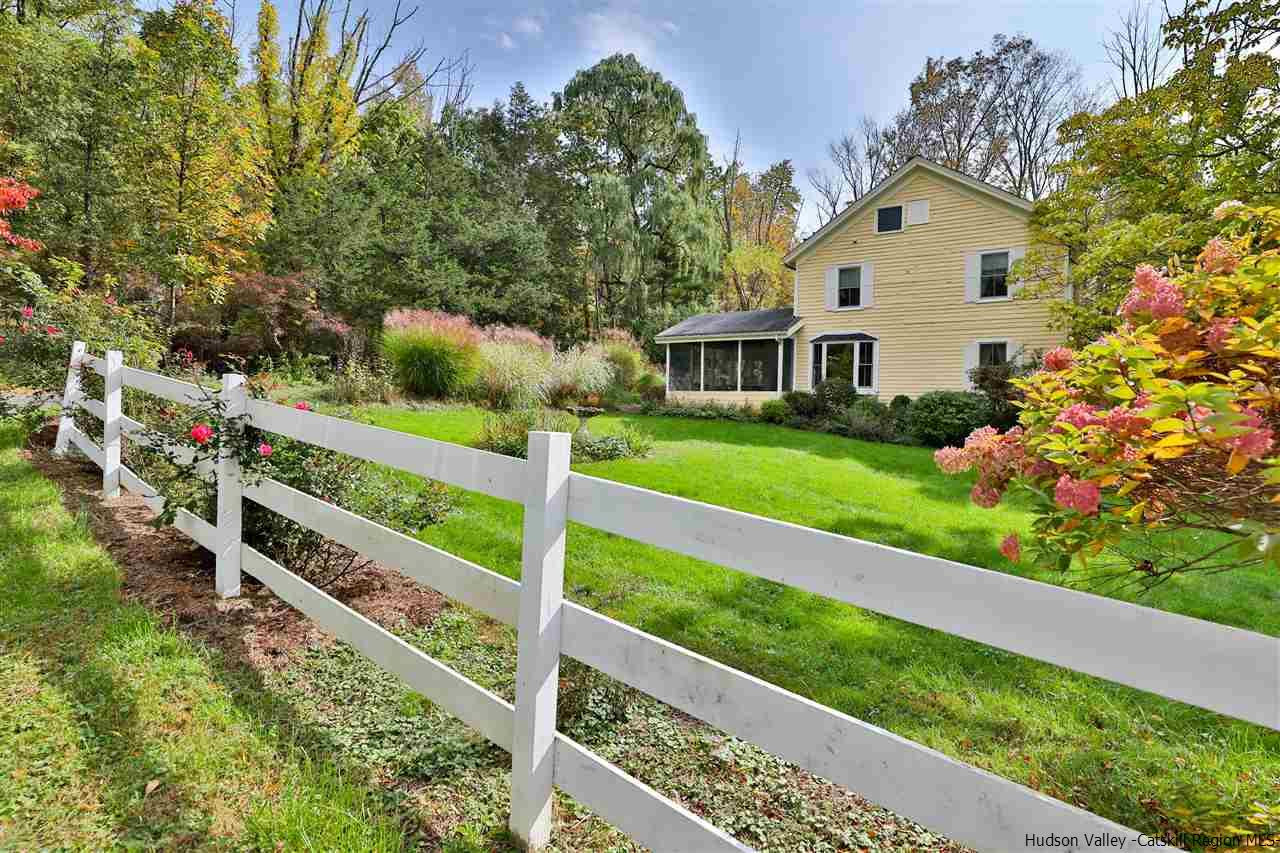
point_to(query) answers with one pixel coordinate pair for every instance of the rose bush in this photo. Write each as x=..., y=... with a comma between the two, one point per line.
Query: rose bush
x=1156, y=443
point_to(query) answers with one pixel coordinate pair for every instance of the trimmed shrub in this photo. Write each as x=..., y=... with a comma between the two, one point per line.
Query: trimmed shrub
x=627, y=443
x=834, y=397
x=803, y=404
x=775, y=411
x=512, y=375
x=868, y=419
x=941, y=418
x=900, y=408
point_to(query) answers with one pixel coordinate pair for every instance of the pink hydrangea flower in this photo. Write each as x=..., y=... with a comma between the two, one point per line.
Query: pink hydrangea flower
x=952, y=460
x=1011, y=548
x=1059, y=358
x=201, y=433
x=1083, y=496
x=1152, y=294
x=1218, y=257
x=265, y=450
x=1124, y=422
x=1079, y=415
x=984, y=496
x=303, y=406
x=1219, y=330
x=1257, y=442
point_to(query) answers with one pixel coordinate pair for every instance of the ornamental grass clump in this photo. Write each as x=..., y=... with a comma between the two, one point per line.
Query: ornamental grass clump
x=432, y=354
x=513, y=375
x=1153, y=449
x=577, y=374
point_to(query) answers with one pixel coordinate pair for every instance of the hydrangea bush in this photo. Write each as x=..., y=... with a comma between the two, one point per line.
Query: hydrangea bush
x=1154, y=447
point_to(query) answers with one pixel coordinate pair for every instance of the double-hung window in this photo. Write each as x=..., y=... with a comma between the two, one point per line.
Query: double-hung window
x=993, y=353
x=994, y=280
x=849, y=288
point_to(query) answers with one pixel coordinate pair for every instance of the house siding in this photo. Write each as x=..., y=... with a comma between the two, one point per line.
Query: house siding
x=751, y=398
x=919, y=313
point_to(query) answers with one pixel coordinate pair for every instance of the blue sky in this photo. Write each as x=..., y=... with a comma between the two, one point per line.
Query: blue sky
x=789, y=76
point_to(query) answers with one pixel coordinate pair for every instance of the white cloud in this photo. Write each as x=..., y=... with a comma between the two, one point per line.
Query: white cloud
x=527, y=25
x=618, y=29
x=506, y=42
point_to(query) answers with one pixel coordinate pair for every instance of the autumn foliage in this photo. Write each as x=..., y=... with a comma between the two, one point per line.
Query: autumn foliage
x=1165, y=427
x=15, y=196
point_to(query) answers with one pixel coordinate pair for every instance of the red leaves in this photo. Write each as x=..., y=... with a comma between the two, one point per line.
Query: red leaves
x=15, y=195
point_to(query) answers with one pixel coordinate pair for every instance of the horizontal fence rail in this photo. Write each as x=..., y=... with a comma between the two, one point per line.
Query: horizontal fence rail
x=1223, y=669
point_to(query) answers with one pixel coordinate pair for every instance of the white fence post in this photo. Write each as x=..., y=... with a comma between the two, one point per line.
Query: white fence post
x=538, y=624
x=113, y=404
x=69, y=394
x=230, y=496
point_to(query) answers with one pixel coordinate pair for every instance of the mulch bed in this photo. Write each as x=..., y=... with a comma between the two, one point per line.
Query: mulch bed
x=173, y=577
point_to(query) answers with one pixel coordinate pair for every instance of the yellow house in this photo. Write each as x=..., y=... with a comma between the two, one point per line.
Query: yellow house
x=905, y=291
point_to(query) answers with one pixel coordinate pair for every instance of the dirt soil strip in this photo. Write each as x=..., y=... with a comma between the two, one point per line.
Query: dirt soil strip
x=173, y=576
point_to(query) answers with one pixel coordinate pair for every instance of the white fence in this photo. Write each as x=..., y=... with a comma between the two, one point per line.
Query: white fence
x=1227, y=670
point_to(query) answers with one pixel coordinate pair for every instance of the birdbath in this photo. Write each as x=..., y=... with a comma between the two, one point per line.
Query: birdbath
x=584, y=414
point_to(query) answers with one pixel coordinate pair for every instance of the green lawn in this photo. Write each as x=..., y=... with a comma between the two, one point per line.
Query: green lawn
x=1137, y=759
x=117, y=732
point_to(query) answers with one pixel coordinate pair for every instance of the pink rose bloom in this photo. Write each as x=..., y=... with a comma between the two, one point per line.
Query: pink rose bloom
x=52, y=331
x=1059, y=358
x=1011, y=548
x=1079, y=415
x=984, y=496
x=1218, y=257
x=264, y=450
x=28, y=312
x=202, y=433
x=952, y=460
x=304, y=406
x=1219, y=330
x=1083, y=496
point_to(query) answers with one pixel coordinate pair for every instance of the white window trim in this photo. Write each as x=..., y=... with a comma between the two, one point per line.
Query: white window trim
x=1008, y=297
x=876, y=221
x=874, y=388
x=861, y=266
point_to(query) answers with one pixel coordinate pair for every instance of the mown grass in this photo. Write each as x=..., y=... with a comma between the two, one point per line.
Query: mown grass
x=118, y=732
x=1140, y=760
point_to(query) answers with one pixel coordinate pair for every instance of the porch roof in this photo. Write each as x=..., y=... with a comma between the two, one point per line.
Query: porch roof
x=771, y=322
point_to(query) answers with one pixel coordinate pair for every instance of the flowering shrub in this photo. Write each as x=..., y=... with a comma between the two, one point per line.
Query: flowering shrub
x=1156, y=443
x=15, y=195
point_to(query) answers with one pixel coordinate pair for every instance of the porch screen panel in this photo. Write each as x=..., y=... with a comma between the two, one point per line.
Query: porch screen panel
x=686, y=367
x=759, y=365
x=721, y=366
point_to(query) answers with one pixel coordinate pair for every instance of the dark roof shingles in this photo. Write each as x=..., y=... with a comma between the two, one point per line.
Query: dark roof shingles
x=733, y=323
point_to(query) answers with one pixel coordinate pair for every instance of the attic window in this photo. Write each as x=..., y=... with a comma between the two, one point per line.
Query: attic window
x=888, y=219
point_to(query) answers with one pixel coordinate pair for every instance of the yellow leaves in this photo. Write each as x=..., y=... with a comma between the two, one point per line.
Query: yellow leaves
x=1180, y=439
x=1170, y=452
x=1236, y=463
x=1169, y=425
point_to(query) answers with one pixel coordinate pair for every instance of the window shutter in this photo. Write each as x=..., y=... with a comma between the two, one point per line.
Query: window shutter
x=972, y=277
x=970, y=362
x=868, y=284
x=1011, y=348
x=918, y=212
x=1015, y=255
x=833, y=282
